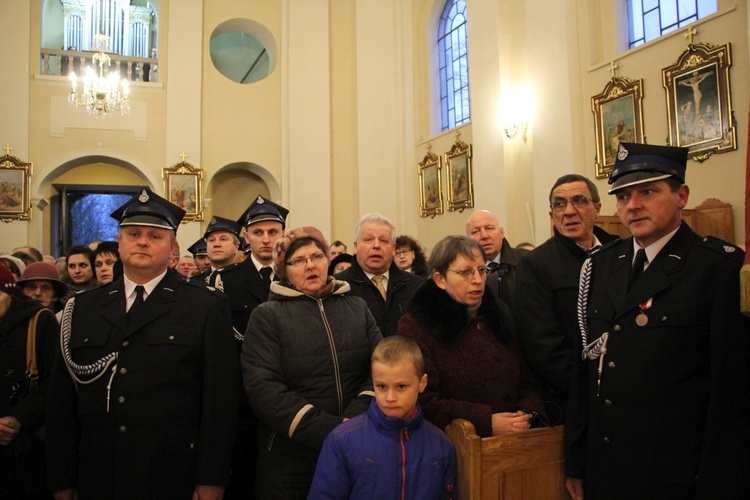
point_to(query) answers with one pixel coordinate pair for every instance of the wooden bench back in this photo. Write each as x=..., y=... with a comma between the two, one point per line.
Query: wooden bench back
x=528, y=465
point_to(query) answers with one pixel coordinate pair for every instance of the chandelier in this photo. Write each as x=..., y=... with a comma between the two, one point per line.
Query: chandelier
x=101, y=94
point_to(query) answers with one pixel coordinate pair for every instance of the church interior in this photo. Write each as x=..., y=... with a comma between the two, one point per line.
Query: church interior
x=339, y=111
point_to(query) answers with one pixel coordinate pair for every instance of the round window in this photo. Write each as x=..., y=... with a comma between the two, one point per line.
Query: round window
x=243, y=50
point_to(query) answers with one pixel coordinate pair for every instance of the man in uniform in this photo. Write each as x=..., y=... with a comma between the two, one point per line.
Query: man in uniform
x=248, y=284
x=659, y=404
x=222, y=242
x=547, y=288
x=374, y=275
x=502, y=258
x=200, y=254
x=145, y=389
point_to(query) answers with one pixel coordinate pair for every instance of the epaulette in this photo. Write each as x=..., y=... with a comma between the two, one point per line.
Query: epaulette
x=728, y=250
x=606, y=246
x=230, y=267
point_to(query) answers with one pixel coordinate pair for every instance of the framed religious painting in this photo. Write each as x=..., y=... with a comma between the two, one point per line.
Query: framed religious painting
x=430, y=185
x=618, y=117
x=699, y=101
x=460, y=184
x=183, y=186
x=15, y=198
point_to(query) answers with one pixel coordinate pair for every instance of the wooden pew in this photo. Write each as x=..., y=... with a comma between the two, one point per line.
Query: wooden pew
x=528, y=465
x=711, y=218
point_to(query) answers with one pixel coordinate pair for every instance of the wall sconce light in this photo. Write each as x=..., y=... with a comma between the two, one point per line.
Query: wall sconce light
x=516, y=111
x=511, y=131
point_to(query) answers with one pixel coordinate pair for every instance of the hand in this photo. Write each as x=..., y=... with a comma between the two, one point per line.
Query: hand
x=203, y=492
x=575, y=487
x=9, y=429
x=508, y=423
x=66, y=494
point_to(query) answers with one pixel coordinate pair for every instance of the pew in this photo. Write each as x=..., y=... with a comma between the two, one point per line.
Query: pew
x=711, y=218
x=527, y=465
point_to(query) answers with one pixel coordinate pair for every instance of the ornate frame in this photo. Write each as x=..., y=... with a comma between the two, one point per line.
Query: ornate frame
x=430, y=185
x=15, y=198
x=618, y=116
x=699, y=101
x=460, y=182
x=183, y=186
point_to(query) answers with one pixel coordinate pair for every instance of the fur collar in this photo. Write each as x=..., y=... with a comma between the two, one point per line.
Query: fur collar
x=445, y=318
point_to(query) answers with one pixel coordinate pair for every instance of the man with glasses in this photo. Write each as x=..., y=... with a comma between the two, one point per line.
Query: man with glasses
x=547, y=288
x=502, y=258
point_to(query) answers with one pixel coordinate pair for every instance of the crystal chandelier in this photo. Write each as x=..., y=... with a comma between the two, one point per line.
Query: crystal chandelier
x=101, y=94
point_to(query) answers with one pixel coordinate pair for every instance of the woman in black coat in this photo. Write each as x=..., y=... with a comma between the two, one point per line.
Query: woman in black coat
x=22, y=398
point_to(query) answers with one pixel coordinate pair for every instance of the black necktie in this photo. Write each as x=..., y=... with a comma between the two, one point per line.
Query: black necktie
x=265, y=274
x=637, y=269
x=137, y=303
x=492, y=267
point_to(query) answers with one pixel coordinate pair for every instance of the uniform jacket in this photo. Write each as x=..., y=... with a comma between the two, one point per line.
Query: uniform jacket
x=474, y=365
x=306, y=366
x=22, y=462
x=173, y=401
x=375, y=456
x=502, y=281
x=245, y=287
x=401, y=287
x=545, y=310
x=671, y=417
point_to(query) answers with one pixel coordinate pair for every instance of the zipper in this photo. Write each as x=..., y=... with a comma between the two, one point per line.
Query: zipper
x=334, y=357
x=404, y=434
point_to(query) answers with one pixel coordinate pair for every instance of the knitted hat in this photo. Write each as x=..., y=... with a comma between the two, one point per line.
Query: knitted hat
x=44, y=271
x=7, y=281
x=281, y=247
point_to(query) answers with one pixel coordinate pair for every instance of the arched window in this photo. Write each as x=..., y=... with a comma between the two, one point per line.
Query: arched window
x=649, y=19
x=454, y=65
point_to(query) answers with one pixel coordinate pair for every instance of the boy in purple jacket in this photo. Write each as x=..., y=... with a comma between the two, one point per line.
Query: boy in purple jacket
x=390, y=451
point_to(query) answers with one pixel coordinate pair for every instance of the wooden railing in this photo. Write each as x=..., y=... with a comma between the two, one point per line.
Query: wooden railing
x=62, y=62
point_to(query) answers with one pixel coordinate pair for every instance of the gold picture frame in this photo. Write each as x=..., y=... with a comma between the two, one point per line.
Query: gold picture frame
x=460, y=183
x=430, y=185
x=618, y=117
x=15, y=198
x=699, y=101
x=183, y=186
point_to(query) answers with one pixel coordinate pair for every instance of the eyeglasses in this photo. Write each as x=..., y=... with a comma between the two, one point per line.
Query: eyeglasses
x=399, y=253
x=578, y=201
x=315, y=258
x=468, y=274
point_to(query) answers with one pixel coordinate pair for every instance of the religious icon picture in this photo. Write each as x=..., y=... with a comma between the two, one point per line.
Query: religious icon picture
x=460, y=185
x=430, y=185
x=618, y=117
x=182, y=186
x=15, y=201
x=699, y=103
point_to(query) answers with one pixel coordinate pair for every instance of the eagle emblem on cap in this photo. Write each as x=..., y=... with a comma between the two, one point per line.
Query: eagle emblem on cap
x=213, y=220
x=143, y=198
x=622, y=153
x=260, y=200
x=728, y=249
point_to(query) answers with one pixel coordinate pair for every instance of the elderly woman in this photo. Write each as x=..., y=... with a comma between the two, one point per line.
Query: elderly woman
x=41, y=282
x=471, y=353
x=410, y=257
x=23, y=388
x=305, y=363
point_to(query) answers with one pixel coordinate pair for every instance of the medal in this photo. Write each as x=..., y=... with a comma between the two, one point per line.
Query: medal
x=642, y=319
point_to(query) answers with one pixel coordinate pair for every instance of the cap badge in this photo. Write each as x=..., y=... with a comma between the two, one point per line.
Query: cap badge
x=143, y=198
x=728, y=249
x=213, y=220
x=260, y=200
x=622, y=153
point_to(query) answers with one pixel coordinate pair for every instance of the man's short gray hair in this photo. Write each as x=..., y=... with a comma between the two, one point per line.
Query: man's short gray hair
x=376, y=218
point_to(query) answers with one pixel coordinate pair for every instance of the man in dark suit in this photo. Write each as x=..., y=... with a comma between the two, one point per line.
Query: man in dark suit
x=247, y=284
x=502, y=258
x=659, y=403
x=145, y=389
x=547, y=288
x=200, y=254
x=375, y=277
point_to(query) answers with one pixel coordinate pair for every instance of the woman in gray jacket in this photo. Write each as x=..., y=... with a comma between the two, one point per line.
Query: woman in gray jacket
x=305, y=363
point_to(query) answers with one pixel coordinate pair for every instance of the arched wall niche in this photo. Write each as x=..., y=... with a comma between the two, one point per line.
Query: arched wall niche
x=234, y=186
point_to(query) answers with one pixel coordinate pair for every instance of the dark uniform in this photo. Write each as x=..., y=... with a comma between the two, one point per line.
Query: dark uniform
x=659, y=408
x=144, y=408
x=501, y=279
